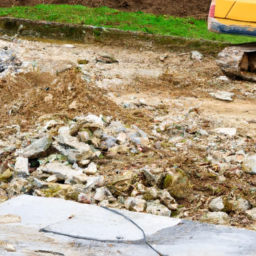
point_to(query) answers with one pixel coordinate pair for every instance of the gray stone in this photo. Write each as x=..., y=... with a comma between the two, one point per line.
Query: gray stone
x=37, y=148
x=240, y=205
x=21, y=166
x=217, y=204
x=249, y=164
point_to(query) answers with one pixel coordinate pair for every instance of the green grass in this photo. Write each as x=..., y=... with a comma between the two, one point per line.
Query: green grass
x=111, y=18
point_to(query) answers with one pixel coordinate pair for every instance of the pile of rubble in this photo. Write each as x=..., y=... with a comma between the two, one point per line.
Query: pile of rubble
x=67, y=160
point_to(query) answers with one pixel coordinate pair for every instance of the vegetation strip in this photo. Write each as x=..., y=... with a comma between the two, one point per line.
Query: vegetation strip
x=127, y=21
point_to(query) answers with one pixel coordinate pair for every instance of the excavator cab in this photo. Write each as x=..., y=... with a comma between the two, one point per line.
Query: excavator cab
x=233, y=17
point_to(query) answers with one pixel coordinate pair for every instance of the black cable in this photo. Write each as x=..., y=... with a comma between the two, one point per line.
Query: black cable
x=45, y=230
x=135, y=224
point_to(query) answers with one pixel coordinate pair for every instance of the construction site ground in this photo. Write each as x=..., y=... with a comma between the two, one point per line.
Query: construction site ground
x=164, y=93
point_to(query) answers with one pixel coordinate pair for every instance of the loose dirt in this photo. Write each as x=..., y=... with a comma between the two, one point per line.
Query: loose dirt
x=195, y=8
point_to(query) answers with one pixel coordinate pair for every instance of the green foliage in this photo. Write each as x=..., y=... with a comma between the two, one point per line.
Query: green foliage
x=133, y=21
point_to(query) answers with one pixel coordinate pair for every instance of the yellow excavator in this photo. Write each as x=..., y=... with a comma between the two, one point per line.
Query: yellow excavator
x=236, y=17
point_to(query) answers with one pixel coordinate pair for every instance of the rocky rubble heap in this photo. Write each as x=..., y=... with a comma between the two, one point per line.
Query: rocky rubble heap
x=207, y=175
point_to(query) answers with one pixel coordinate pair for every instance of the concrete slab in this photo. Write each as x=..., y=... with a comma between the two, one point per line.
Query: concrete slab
x=91, y=223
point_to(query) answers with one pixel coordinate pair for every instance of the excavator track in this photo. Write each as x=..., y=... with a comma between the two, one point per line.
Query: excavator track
x=239, y=61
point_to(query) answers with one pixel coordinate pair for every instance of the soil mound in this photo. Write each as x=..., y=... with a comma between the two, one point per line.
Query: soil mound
x=195, y=8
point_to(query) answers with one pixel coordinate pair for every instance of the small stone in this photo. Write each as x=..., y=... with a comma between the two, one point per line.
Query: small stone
x=39, y=184
x=135, y=204
x=48, y=98
x=84, y=198
x=220, y=218
x=240, y=205
x=195, y=55
x=231, y=132
x=21, y=166
x=158, y=209
x=91, y=169
x=84, y=136
x=102, y=194
x=37, y=148
x=249, y=164
x=52, y=178
x=6, y=175
x=73, y=105
x=3, y=195
x=167, y=200
x=222, y=95
x=217, y=205
x=121, y=138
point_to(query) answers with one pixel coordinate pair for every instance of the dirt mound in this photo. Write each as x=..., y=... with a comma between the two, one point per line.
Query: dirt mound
x=195, y=8
x=24, y=99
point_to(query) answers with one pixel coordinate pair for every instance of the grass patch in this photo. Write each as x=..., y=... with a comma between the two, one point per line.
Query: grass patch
x=133, y=21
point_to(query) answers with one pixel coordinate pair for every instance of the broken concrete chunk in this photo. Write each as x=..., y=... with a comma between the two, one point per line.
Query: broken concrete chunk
x=64, y=172
x=222, y=95
x=91, y=169
x=249, y=164
x=252, y=213
x=135, y=204
x=37, y=148
x=227, y=131
x=220, y=218
x=217, y=204
x=158, y=209
x=21, y=166
x=102, y=194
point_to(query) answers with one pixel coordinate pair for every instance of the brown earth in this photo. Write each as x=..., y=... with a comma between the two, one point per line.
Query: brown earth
x=195, y=8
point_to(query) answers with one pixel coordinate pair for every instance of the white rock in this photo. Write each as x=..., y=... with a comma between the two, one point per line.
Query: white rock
x=227, y=131
x=249, y=164
x=221, y=218
x=52, y=178
x=195, y=55
x=69, y=45
x=222, y=95
x=242, y=205
x=21, y=166
x=252, y=213
x=217, y=205
x=158, y=209
x=38, y=183
x=121, y=138
x=91, y=169
x=102, y=194
x=223, y=78
x=135, y=204
x=64, y=172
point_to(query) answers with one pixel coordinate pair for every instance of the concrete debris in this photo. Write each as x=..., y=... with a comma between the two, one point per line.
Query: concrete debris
x=221, y=95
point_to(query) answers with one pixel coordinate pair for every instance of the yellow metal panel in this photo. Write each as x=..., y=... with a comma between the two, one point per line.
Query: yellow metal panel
x=223, y=7
x=243, y=10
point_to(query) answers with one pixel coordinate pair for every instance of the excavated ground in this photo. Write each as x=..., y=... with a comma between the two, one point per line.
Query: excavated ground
x=166, y=94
